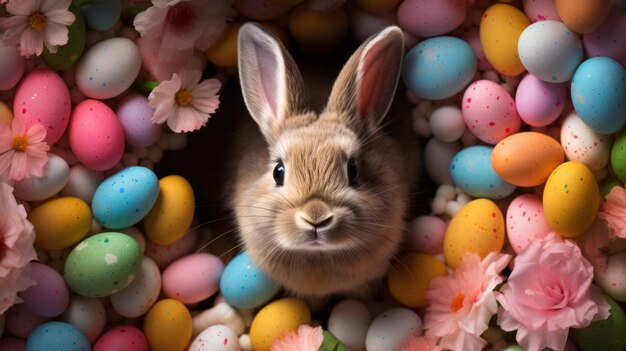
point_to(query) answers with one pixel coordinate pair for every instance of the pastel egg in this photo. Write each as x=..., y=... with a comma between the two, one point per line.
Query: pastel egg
x=103, y=264
x=276, y=318
x=500, y=30
x=426, y=235
x=126, y=197
x=245, y=285
x=57, y=336
x=472, y=37
x=438, y=68
x=139, y=296
x=571, y=199
x=391, y=328
x=526, y=221
x=49, y=297
x=316, y=28
x=606, y=334
x=42, y=98
x=102, y=15
x=21, y=321
x=122, y=338
x=583, y=16
x=611, y=277
x=108, y=68
x=538, y=102
x=410, y=276
x=96, y=135
x=618, y=157
x=223, y=53
x=583, y=144
x=608, y=39
x=87, y=314
x=165, y=254
x=171, y=216
x=216, y=338
x=348, y=322
x=136, y=118
x=471, y=170
x=260, y=10
x=425, y=18
x=446, y=123
x=12, y=68
x=437, y=158
x=6, y=115
x=60, y=222
x=511, y=162
x=599, y=94
x=56, y=173
x=168, y=326
x=477, y=227
x=193, y=278
x=377, y=7
x=540, y=10
x=489, y=111
x=82, y=182
x=67, y=55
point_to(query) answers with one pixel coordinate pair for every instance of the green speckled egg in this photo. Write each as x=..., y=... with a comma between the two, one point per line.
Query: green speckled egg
x=102, y=264
x=604, y=335
x=618, y=157
x=68, y=54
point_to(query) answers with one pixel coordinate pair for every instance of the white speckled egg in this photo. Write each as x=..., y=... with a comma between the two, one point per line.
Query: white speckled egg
x=216, y=338
x=389, y=330
x=56, y=173
x=612, y=279
x=87, y=314
x=349, y=321
x=137, y=298
x=583, y=144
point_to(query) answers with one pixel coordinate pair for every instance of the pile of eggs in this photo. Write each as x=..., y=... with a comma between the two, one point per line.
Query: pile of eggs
x=521, y=107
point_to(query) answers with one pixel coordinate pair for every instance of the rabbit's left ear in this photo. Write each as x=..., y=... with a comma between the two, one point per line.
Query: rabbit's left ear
x=364, y=90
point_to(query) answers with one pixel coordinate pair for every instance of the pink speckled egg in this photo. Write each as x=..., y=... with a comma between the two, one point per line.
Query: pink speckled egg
x=12, y=67
x=43, y=98
x=426, y=18
x=541, y=10
x=525, y=221
x=260, y=10
x=489, y=111
x=426, y=235
x=21, y=321
x=136, y=118
x=192, y=278
x=608, y=39
x=96, y=135
x=50, y=296
x=122, y=338
x=583, y=144
x=472, y=37
x=538, y=102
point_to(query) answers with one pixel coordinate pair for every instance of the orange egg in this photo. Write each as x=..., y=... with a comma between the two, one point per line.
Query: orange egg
x=583, y=16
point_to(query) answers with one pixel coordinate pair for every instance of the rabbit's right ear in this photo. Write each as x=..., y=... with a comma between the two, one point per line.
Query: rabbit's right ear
x=270, y=81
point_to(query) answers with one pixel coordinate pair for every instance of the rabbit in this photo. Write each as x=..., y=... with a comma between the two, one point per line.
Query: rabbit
x=320, y=198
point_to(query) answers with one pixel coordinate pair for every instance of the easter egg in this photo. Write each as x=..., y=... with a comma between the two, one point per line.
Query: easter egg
x=122, y=338
x=12, y=67
x=193, y=278
x=571, y=199
x=410, y=276
x=438, y=68
x=425, y=18
x=136, y=118
x=276, y=318
x=21, y=321
x=364, y=24
x=139, y=296
x=82, y=183
x=599, y=94
x=125, y=198
x=489, y=111
x=67, y=55
x=607, y=334
x=87, y=314
x=538, y=102
x=511, y=162
x=216, y=338
x=538, y=10
x=316, y=28
x=348, y=322
x=472, y=37
x=446, y=123
x=426, y=235
x=477, y=227
x=103, y=264
x=244, y=285
x=223, y=53
x=437, y=158
x=102, y=15
x=57, y=336
x=550, y=51
x=377, y=7
x=96, y=135
x=60, y=222
x=42, y=98
x=6, y=115
x=471, y=170
x=170, y=217
x=260, y=10
x=500, y=30
x=108, y=68
x=168, y=326
x=49, y=296
x=583, y=16
x=608, y=39
x=610, y=278
x=526, y=221
x=165, y=254
x=618, y=157
x=56, y=173
x=583, y=144
x=391, y=328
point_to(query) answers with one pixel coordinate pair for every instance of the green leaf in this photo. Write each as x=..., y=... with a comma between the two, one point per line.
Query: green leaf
x=331, y=343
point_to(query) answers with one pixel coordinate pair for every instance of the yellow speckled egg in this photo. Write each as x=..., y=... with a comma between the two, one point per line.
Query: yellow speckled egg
x=571, y=199
x=172, y=214
x=477, y=227
x=500, y=29
x=6, y=115
x=168, y=326
x=60, y=222
x=315, y=28
x=276, y=318
x=377, y=7
x=410, y=276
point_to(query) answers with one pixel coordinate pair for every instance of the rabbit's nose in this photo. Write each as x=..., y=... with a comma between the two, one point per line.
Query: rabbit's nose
x=315, y=214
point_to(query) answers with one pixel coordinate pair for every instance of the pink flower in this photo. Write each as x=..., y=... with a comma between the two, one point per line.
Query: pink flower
x=16, y=249
x=614, y=211
x=37, y=22
x=23, y=151
x=421, y=343
x=548, y=292
x=183, y=103
x=306, y=339
x=461, y=305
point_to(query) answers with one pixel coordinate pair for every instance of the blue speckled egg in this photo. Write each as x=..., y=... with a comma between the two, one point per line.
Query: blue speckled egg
x=244, y=285
x=471, y=170
x=599, y=94
x=57, y=336
x=124, y=198
x=102, y=15
x=439, y=67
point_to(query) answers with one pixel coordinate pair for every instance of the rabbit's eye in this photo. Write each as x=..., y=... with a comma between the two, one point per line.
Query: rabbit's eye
x=353, y=172
x=279, y=173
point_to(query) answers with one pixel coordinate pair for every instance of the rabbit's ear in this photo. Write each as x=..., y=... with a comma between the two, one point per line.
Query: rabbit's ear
x=367, y=83
x=270, y=81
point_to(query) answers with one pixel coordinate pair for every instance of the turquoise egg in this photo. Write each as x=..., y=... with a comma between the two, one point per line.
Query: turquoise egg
x=599, y=94
x=439, y=67
x=471, y=171
x=244, y=285
x=103, y=14
x=125, y=198
x=53, y=336
x=103, y=264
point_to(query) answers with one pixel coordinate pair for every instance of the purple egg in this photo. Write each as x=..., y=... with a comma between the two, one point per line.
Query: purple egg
x=50, y=296
x=136, y=118
x=608, y=39
x=538, y=102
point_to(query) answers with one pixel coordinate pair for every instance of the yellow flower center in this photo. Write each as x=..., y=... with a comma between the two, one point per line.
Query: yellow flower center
x=457, y=302
x=37, y=21
x=20, y=143
x=183, y=97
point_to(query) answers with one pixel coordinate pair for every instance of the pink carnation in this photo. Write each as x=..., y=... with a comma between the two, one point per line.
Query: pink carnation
x=614, y=212
x=548, y=292
x=421, y=343
x=306, y=339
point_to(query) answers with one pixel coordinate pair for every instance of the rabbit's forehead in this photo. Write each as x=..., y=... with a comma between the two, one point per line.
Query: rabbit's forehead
x=330, y=140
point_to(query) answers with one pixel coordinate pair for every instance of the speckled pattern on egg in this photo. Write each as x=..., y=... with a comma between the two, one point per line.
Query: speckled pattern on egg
x=60, y=222
x=168, y=326
x=138, y=297
x=122, y=338
x=391, y=328
x=57, y=336
x=583, y=144
x=608, y=39
x=136, y=117
x=426, y=18
x=244, y=285
x=216, y=338
x=471, y=170
x=525, y=221
x=275, y=318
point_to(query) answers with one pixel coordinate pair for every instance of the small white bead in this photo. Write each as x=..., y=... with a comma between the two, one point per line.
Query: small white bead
x=438, y=205
x=421, y=126
x=446, y=191
x=452, y=207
